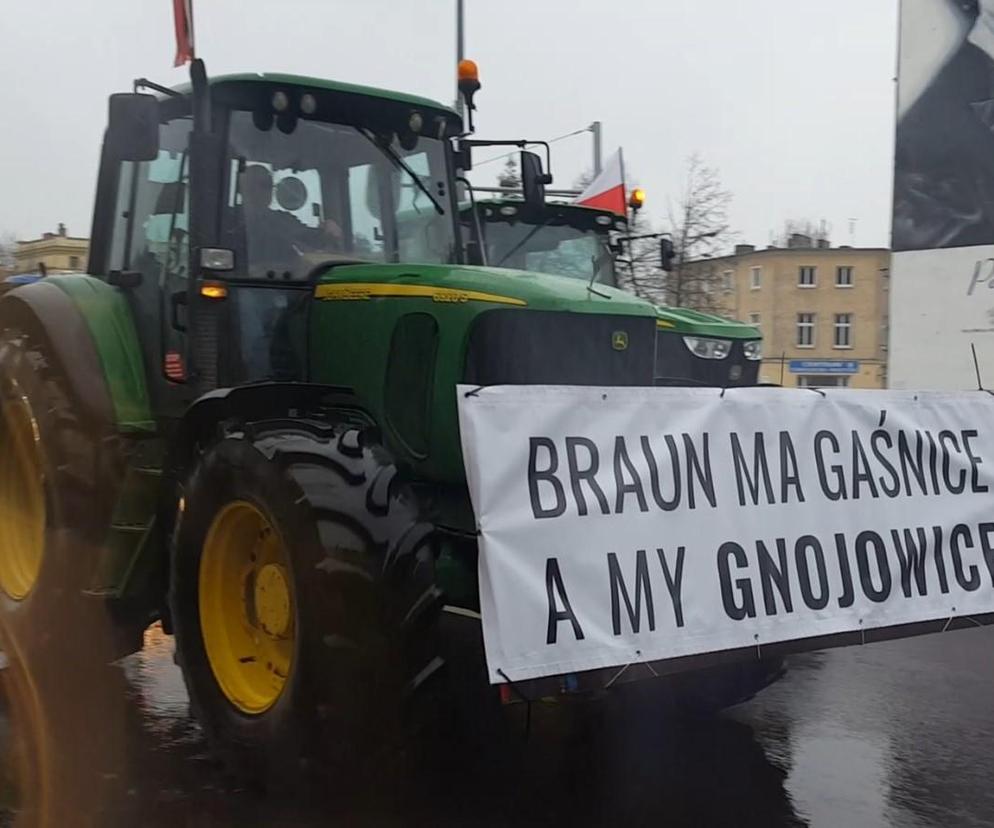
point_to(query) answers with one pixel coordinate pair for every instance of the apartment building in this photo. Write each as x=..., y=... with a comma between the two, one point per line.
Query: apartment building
x=52, y=253
x=822, y=310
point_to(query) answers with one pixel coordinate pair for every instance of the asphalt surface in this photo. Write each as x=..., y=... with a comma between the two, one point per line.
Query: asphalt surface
x=890, y=734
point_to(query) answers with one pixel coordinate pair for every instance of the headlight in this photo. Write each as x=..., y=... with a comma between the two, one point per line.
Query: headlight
x=753, y=349
x=708, y=348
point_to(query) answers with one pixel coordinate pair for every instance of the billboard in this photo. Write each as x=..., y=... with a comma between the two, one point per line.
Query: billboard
x=942, y=271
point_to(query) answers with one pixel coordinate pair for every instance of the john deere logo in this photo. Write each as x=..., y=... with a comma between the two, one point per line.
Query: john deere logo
x=619, y=340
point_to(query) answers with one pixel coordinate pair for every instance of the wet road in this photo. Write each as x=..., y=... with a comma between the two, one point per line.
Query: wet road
x=891, y=734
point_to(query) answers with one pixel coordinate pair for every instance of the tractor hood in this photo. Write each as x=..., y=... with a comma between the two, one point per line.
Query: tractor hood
x=682, y=320
x=465, y=283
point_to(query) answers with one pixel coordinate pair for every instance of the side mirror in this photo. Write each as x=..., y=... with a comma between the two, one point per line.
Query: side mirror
x=533, y=180
x=667, y=253
x=133, y=127
x=462, y=156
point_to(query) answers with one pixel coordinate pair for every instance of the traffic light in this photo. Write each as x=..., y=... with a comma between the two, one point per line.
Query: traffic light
x=667, y=253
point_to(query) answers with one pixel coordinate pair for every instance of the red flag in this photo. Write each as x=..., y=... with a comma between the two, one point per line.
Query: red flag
x=607, y=190
x=183, y=19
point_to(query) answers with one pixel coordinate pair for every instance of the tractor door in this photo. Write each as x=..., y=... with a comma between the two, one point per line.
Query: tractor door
x=146, y=250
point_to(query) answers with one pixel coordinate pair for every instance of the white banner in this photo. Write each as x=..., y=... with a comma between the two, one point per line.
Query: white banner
x=633, y=524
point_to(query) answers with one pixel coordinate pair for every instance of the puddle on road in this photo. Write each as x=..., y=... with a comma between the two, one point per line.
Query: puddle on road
x=155, y=685
x=848, y=738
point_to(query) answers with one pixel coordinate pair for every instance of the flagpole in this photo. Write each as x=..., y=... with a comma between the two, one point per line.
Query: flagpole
x=460, y=46
x=621, y=163
x=189, y=17
x=595, y=129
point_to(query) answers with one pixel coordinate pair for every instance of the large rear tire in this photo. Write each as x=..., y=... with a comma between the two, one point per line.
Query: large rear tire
x=58, y=487
x=303, y=598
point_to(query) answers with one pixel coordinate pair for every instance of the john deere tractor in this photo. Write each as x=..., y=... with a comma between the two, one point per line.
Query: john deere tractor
x=242, y=421
x=692, y=348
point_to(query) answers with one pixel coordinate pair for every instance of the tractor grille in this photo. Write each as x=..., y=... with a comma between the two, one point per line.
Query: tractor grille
x=676, y=365
x=552, y=348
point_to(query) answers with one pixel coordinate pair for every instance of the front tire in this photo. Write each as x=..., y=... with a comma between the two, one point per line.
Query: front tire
x=303, y=598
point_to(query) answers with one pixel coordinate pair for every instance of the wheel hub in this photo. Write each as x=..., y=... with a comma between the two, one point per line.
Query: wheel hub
x=246, y=607
x=271, y=599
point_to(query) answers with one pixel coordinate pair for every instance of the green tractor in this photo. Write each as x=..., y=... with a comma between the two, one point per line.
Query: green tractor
x=692, y=348
x=242, y=421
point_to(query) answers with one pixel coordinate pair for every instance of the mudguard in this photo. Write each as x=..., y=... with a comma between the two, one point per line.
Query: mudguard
x=88, y=327
x=257, y=401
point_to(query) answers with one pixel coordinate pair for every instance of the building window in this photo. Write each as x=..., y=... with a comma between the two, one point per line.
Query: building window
x=755, y=277
x=726, y=280
x=806, y=276
x=754, y=319
x=843, y=276
x=74, y=262
x=843, y=330
x=822, y=381
x=805, y=330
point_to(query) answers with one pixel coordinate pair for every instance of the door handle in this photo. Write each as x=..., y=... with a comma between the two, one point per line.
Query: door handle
x=176, y=300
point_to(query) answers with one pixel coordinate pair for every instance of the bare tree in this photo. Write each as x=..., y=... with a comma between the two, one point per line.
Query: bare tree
x=700, y=229
x=638, y=269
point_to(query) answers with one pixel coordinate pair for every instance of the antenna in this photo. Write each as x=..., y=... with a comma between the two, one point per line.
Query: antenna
x=783, y=357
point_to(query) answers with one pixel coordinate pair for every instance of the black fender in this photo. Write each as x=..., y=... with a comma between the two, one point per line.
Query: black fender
x=51, y=314
x=258, y=401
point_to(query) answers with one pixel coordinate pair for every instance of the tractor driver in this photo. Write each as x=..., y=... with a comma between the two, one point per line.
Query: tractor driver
x=275, y=240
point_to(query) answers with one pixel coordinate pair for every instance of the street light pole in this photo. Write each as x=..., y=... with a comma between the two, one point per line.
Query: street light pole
x=460, y=47
x=595, y=128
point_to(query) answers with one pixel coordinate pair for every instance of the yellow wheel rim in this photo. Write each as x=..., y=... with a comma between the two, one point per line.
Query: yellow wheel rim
x=22, y=499
x=246, y=607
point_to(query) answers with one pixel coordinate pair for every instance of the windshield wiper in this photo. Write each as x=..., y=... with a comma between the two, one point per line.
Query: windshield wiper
x=399, y=162
x=527, y=238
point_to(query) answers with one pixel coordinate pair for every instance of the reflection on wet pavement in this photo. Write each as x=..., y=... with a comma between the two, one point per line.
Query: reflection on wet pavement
x=894, y=734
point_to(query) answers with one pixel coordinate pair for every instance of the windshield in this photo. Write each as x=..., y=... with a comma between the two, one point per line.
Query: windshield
x=547, y=248
x=327, y=192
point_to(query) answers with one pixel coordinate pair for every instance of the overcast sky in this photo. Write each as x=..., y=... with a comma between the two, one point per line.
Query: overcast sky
x=792, y=100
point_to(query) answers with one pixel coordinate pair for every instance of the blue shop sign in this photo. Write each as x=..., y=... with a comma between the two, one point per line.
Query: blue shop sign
x=824, y=366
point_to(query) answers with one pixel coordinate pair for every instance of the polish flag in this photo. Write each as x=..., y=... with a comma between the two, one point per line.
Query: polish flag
x=607, y=190
x=183, y=20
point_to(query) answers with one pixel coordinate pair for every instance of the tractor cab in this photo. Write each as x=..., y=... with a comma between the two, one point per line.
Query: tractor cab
x=218, y=206
x=563, y=239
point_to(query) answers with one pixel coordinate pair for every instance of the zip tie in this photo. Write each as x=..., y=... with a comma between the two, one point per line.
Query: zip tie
x=651, y=670
x=513, y=686
x=862, y=632
x=474, y=392
x=816, y=390
x=616, y=676
x=759, y=655
x=524, y=698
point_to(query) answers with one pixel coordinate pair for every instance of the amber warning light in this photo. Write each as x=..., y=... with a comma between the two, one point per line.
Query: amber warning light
x=637, y=198
x=468, y=72
x=468, y=75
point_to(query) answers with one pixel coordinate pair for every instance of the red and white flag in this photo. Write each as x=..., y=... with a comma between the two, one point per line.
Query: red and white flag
x=183, y=19
x=607, y=190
